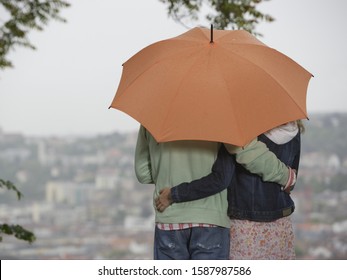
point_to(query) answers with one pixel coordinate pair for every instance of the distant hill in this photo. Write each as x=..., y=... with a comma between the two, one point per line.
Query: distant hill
x=327, y=133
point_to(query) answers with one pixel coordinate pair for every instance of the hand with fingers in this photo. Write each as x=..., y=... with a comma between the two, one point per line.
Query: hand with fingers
x=164, y=199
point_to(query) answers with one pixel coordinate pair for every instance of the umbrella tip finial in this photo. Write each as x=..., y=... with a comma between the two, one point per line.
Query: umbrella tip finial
x=211, y=41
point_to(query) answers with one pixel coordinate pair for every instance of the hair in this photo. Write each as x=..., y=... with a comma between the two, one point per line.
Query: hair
x=300, y=125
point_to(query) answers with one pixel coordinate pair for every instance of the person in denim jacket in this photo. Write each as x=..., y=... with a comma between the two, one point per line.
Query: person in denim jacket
x=261, y=226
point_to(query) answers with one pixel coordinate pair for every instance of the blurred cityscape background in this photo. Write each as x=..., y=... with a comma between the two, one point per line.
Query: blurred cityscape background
x=82, y=200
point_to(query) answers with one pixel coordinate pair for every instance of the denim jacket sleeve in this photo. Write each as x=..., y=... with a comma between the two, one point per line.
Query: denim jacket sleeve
x=296, y=163
x=218, y=180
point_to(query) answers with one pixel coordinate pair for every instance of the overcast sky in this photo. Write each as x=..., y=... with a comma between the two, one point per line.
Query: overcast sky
x=67, y=84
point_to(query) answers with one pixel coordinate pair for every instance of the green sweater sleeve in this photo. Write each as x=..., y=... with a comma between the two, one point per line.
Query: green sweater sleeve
x=257, y=159
x=143, y=169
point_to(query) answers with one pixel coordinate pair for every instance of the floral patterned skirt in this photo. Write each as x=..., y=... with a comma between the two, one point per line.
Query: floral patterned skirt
x=262, y=240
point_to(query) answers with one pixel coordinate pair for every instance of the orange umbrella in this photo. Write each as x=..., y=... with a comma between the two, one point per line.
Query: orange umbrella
x=223, y=86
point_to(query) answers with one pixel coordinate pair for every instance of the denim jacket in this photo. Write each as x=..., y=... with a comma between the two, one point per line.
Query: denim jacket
x=248, y=196
x=253, y=199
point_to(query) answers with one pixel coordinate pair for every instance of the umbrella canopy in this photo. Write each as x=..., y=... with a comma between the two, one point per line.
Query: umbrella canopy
x=223, y=86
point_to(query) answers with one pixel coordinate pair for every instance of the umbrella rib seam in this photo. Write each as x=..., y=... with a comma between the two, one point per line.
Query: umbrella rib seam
x=150, y=67
x=177, y=91
x=268, y=74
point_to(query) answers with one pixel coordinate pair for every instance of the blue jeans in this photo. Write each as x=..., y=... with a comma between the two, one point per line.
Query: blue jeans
x=197, y=243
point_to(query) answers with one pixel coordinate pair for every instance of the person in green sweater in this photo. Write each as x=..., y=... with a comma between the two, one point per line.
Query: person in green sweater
x=197, y=229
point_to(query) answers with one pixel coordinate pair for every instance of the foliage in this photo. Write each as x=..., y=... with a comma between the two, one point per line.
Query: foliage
x=23, y=16
x=18, y=231
x=234, y=14
x=10, y=186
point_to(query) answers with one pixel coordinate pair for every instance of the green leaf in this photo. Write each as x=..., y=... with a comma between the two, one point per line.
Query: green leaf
x=25, y=15
x=18, y=231
x=10, y=186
